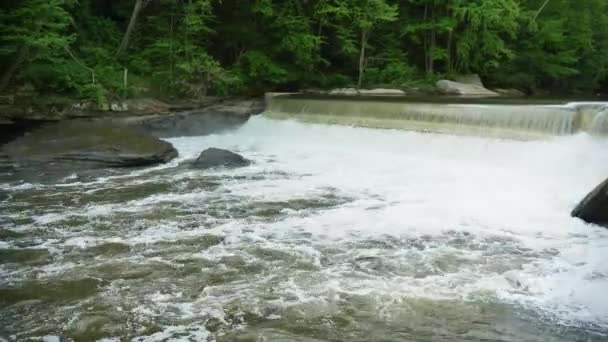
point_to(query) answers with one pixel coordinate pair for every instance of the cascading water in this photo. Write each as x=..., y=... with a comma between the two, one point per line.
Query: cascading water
x=600, y=123
x=333, y=234
x=516, y=120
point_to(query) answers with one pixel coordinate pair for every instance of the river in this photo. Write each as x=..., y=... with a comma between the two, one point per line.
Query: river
x=333, y=234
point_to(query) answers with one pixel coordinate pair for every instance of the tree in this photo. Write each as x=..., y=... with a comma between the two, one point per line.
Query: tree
x=358, y=17
x=189, y=48
x=483, y=27
x=139, y=4
x=35, y=30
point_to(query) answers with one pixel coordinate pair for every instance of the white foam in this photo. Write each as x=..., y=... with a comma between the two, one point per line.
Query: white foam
x=426, y=184
x=194, y=332
x=402, y=185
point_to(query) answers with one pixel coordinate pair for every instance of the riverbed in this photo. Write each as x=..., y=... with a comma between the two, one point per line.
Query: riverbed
x=333, y=234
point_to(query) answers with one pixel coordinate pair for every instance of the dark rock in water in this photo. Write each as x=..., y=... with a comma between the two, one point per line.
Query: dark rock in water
x=214, y=118
x=214, y=157
x=594, y=207
x=72, y=146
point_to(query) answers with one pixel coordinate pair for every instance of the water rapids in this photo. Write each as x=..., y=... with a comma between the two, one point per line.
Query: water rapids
x=333, y=234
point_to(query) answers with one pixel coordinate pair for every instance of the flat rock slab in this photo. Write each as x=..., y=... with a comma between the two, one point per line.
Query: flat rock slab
x=456, y=88
x=216, y=157
x=594, y=207
x=76, y=144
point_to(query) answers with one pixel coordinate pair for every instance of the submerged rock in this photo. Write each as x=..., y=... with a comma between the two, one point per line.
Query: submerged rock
x=594, y=207
x=457, y=88
x=215, y=157
x=78, y=144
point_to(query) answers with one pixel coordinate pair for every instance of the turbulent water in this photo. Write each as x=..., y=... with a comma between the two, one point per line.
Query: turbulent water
x=333, y=234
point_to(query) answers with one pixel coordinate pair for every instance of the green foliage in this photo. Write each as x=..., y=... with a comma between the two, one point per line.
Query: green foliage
x=391, y=69
x=485, y=24
x=198, y=47
x=38, y=24
x=256, y=66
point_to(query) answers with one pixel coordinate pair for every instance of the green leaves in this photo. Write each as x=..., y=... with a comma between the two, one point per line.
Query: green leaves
x=259, y=67
x=483, y=27
x=38, y=24
x=195, y=47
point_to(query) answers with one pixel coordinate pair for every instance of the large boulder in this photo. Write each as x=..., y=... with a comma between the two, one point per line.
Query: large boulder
x=594, y=207
x=216, y=157
x=76, y=144
x=465, y=89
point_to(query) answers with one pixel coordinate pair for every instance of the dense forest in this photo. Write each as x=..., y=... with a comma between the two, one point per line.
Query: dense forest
x=101, y=49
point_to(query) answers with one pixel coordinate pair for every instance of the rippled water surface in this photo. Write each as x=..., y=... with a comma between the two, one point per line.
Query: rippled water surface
x=333, y=234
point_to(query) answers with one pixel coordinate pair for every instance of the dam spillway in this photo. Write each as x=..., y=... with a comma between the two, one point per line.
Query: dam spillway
x=516, y=120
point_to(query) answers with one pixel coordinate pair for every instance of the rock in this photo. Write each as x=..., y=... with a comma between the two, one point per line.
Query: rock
x=313, y=91
x=382, y=91
x=510, y=92
x=344, y=91
x=472, y=79
x=215, y=157
x=365, y=92
x=119, y=107
x=594, y=207
x=455, y=88
x=146, y=106
x=214, y=118
x=73, y=145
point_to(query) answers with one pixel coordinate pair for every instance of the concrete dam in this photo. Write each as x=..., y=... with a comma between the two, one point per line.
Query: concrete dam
x=485, y=117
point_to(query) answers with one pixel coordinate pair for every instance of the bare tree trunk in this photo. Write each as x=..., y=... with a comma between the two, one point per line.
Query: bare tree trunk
x=125, y=39
x=171, y=61
x=540, y=10
x=125, y=82
x=364, y=37
x=8, y=74
x=449, y=51
x=426, y=41
x=431, y=53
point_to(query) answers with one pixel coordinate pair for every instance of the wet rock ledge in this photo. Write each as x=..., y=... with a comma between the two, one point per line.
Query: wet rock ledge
x=74, y=145
x=80, y=139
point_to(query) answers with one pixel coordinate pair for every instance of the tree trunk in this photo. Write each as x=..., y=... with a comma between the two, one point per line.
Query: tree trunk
x=125, y=39
x=425, y=39
x=431, y=53
x=8, y=74
x=172, y=58
x=364, y=37
x=449, y=51
x=540, y=10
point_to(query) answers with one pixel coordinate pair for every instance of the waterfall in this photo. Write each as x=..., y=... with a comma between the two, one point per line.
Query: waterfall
x=600, y=123
x=503, y=120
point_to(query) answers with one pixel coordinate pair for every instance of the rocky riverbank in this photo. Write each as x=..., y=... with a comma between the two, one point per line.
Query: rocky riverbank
x=52, y=144
x=163, y=119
